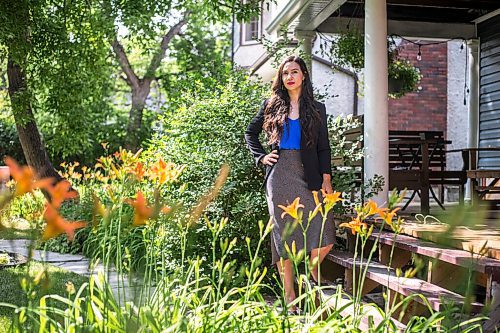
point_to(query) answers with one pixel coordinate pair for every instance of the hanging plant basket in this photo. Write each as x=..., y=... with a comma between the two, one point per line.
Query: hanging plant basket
x=348, y=51
x=395, y=86
x=403, y=78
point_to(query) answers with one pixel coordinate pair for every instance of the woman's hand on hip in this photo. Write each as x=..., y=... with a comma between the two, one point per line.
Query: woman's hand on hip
x=327, y=184
x=270, y=158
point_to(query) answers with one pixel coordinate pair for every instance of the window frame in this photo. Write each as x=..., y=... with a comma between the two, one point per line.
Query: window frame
x=245, y=25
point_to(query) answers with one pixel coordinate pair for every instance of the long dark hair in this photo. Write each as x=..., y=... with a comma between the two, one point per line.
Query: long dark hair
x=276, y=112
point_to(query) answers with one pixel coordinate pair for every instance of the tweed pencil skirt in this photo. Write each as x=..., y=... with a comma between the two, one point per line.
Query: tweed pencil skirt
x=285, y=183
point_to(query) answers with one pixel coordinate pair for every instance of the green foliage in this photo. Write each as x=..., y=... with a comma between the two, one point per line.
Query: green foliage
x=191, y=300
x=203, y=48
x=66, y=61
x=403, y=78
x=72, y=76
x=16, y=282
x=9, y=141
x=27, y=207
x=347, y=50
x=204, y=129
x=345, y=178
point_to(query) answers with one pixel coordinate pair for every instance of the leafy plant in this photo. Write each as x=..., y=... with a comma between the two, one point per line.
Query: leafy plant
x=203, y=129
x=403, y=78
x=347, y=50
x=346, y=177
x=9, y=140
x=189, y=300
x=200, y=294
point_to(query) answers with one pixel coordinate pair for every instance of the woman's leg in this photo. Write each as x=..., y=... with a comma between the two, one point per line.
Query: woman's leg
x=319, y=253
x=285, y=268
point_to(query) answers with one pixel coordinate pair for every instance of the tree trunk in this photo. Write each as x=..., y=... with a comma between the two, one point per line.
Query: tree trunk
x=139, y=96
x=141, y=87
x=29, y=136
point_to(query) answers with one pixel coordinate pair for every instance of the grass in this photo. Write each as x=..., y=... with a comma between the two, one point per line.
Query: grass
x=12, y=292
x=15, y=228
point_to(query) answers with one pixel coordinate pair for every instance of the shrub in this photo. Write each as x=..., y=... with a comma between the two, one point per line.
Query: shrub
x=344, y=178
x=204, y=129
x=9, y=140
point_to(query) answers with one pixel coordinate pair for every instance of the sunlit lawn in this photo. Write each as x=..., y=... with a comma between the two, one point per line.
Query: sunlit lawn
x=11, y=291
x=15, y=228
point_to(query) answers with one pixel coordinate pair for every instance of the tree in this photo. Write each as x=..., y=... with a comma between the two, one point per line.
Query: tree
x=60, y=72
x=36, y=156
x=138, y=19
x=57, y=62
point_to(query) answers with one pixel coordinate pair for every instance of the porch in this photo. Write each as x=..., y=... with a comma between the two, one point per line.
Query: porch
x=459, y=239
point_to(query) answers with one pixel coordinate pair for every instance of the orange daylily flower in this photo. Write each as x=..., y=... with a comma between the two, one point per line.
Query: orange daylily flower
x=25, y=178
x=60, y=192
x=355, y=225
x=317, y=202
x=142, y=212
x=387, y=215
x=371, y=208
x=164, y=172
x=331, y=199
x=292, y=209
x=160, y=171
x=139, y=170
x=98, y=210
x=56, y=224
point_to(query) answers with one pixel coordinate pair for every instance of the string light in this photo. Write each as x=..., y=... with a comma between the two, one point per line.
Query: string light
x=420, y=45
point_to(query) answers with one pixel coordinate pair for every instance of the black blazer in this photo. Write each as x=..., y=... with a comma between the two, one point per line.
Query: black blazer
x=316, y=159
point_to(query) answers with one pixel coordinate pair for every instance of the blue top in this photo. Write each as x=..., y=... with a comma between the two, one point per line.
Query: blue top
x=291, y=135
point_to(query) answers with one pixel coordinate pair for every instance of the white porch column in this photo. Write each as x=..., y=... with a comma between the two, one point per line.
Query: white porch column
x=376, y=120
x=306, y=38
x=473, y=137
x=473, y=133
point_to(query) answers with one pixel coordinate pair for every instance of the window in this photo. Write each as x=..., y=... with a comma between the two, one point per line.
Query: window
x=251, y=31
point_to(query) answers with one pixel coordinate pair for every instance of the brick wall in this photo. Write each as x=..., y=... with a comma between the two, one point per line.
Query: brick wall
x=425, y=109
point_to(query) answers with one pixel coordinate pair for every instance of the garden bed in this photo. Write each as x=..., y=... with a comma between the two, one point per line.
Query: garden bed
x=8, y=259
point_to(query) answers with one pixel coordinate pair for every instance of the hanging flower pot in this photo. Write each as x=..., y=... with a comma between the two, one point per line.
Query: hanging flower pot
x=403, y=78
x=347, y=50
x=395, y=85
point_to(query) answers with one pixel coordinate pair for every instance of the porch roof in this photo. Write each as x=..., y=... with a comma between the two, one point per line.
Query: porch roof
x=411, y=18
x=439, y=11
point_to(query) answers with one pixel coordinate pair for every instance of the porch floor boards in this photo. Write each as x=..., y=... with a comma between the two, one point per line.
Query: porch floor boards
x=462, y=228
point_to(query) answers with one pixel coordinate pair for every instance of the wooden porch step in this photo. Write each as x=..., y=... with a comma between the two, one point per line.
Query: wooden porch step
x=381, y=274
x=371, y=316
x=429, y=249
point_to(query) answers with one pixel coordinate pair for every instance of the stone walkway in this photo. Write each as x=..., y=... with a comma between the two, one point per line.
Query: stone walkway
x=121, y=285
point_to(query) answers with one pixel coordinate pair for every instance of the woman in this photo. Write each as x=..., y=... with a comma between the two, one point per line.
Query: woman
x=299, y=163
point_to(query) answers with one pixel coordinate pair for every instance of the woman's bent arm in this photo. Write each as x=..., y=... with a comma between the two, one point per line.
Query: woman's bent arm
x=252, y=135
x=324, y=151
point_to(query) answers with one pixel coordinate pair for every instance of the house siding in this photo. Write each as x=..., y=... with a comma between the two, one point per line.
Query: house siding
x=489, y=93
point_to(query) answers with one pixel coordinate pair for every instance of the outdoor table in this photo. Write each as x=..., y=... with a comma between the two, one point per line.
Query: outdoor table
x=469, y=156
x=421, y=150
